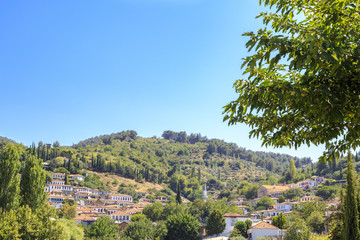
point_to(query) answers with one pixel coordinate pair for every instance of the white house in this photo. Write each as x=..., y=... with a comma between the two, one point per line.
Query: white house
x=121, y=197
x=121, y=216
x=263, y=229
x=58, y=175
x=318, y=179
x=267, y=213
x=56, y=199
x=56, y=182
x=231, y=219
x=77, y=177
x=285, y=206
x=307, y=182
x=85, y=219
x=310, y=198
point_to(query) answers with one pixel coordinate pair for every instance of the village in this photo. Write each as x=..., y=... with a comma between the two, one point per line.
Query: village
x=93, y=203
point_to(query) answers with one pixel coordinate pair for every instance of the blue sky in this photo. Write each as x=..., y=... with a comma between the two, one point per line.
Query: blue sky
x=70, y=70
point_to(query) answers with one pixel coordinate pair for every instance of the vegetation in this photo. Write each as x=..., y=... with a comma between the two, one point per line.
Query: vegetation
x=215, y=223
x=299, y=63
x=240, y=229
x=280, y=221
x=103, y=228
x=182, y=226
x=298, y=230
x=351, y=212
x=9, y=179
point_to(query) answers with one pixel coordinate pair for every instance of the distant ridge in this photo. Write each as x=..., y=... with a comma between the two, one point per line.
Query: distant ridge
x=6, y=140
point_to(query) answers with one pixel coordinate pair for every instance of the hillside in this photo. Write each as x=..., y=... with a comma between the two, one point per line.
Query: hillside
x=190, y=160
x=179, y=148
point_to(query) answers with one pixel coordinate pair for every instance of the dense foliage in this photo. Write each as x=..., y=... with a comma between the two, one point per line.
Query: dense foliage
x=303, y=77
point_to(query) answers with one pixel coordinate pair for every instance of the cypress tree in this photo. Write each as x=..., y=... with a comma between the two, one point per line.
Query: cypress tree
x=351, y=214
x=192, y=172
x=215, y=223
x=98, y=160
x=69, y=162
x=199, y=174
x=33, y=183
x=9, y=178
x=292, y=169
x=178, y=194
x=66, y=179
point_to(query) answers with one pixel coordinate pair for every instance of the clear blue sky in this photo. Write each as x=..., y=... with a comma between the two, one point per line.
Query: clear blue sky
x=70, y=70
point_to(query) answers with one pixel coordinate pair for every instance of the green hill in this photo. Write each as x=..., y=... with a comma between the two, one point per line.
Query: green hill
x=176, y=157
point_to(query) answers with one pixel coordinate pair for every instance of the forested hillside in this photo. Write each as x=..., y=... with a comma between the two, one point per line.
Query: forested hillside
x=176, y=156
x=155, y=159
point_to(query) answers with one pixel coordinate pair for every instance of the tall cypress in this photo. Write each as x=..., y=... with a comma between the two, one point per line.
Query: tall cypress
x=9, y=178
x=33, y=183
x=178, y=194
x=351, y=213
x=199, y=174
x=69, y=162
x=292, y=169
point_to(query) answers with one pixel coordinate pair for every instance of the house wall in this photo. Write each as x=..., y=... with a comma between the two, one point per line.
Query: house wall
x=263, y=233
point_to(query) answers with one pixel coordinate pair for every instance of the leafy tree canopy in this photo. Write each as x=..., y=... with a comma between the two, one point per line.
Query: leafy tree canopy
x=215, y=223
x=182, y=226
x=302, y=83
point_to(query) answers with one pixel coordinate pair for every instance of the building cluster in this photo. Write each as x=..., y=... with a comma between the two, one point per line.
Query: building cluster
x=93, y=203
x=262, y=219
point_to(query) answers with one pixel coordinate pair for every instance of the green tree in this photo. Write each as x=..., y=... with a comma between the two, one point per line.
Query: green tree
x=140, y=230
x=280, y=221
x=178, y=194
x=9, y=179
x=33, y=183
x=182, y=226
x=298, y=230
x=154, y=211
x=302, y=85
x=9, y=227
x=66, y=179
x=241, y=228
x=173, y=208
x=292, y=169
x=293, y=193
x=309, y=207
x=24, y=223
x=138, y=217
x=71, y=229
x=200, y=209
x=103, y=228
x=67, y=211
x=264, y=203
x=316, y=221
x=145, y=230
x=215, y=223
x=351, y=214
